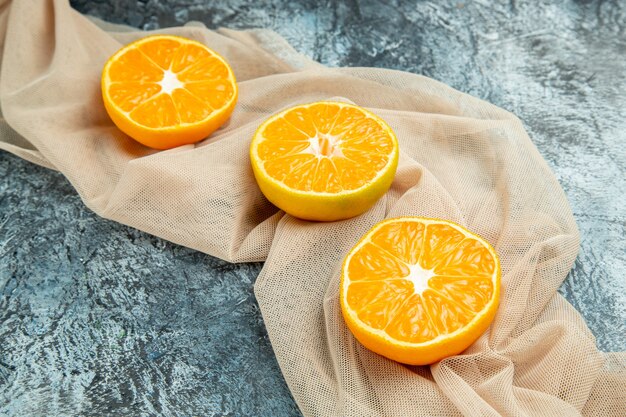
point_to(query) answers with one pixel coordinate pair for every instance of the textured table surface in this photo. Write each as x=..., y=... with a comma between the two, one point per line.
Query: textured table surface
x=98, y=319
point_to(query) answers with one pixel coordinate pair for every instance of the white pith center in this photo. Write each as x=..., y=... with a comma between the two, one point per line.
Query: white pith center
x=419, y=277
x=170, y=82
x=324, y=145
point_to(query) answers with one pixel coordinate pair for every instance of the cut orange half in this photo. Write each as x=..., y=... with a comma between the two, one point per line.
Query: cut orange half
x=166, y=91
x=324, y=161
x=418, y=290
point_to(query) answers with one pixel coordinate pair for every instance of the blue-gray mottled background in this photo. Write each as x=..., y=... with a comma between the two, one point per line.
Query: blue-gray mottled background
x=99, y=319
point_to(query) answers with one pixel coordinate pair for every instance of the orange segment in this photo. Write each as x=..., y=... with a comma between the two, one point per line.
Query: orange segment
x=359, y=130
x=189, y=107
x=469, y=258
x=373, y=263
x=412, y=323
x=166, y=91
x=404, y=240
x=301, y=120
x=211, y=68
x=280, y=131
x=300, y=177
x=439, y=241
x=355, y=157
x=369, y=162
x=160, y=51
x=212, y=92
x=281, y=168
x=471, y=293
x=366, y=137
x=134, y=66
x=128, y=96
x=348, y=118
x=281, y=148
x=376, y=302
x=190, y=54
x=324, y=116
x=446, y=315
x=157, y=112
x=397, y=305
x=352, y=175
x=326, y=177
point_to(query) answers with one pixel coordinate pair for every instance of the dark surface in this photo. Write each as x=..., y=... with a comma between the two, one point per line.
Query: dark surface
x=99, y=319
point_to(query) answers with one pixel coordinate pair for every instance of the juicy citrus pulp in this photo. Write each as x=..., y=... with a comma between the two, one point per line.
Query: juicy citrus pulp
x=165, y=91
x=325, y=160
x=417, y=290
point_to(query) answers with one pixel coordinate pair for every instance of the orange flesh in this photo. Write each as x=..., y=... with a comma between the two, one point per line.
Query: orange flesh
x=325, y=148
x=415, y=281
x=165, y=83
